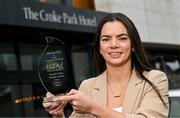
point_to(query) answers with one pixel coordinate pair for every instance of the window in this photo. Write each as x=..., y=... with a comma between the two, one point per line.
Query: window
x=82, y=63
x=57, y=2
x=8, y=59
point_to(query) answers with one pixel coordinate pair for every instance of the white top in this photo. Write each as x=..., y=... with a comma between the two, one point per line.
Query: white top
x=118, y=109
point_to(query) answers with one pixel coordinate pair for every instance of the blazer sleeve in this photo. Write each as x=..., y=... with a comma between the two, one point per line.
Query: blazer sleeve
x=151, y=106
x=84, y=88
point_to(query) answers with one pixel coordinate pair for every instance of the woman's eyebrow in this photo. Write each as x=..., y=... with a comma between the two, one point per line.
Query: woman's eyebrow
x=105, y=36
x=108, y=36
x=123, y=34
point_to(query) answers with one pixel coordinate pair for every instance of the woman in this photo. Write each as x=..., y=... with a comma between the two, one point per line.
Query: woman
x=126, y=85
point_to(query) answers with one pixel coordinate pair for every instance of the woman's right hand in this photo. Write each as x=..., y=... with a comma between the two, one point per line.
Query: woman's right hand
x=54, y=108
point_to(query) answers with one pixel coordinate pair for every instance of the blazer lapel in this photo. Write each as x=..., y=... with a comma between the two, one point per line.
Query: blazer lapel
x=100, y=89
x=99, y=92
x=132, y=92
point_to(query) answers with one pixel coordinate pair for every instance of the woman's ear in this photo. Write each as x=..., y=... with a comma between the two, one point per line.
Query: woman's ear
x=132, y=49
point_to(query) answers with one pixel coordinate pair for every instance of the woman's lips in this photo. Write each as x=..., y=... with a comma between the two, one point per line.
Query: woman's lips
x=115, y=54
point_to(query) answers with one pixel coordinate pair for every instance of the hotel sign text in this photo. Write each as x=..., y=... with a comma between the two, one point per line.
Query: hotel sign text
x=62, y=18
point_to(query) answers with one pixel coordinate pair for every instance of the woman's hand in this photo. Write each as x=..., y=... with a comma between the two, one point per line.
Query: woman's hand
x=54, y=108
x=79, y=101
x=82, y=103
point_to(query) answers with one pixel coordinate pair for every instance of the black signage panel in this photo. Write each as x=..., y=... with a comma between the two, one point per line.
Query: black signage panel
x=34, y=14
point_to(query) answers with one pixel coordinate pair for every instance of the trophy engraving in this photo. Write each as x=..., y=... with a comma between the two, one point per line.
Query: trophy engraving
x=53, y=70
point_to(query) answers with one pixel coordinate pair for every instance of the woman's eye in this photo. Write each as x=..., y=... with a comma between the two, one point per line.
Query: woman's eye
x=123, y=38
x=105, y=39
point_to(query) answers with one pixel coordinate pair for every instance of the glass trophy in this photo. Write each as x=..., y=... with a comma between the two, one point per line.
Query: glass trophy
x=53, y=68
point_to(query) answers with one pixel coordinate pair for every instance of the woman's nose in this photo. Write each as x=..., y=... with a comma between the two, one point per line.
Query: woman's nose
x=114, y=43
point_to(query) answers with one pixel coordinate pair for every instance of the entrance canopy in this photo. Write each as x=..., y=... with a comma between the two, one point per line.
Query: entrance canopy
x=48, y=16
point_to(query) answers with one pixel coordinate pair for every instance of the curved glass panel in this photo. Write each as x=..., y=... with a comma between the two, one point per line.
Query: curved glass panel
x=53, y=67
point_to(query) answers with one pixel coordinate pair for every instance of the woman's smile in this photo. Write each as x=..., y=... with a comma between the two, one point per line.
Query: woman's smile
x=115, y=54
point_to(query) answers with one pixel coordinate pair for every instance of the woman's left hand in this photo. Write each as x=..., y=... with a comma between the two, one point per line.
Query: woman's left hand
x=79, y=101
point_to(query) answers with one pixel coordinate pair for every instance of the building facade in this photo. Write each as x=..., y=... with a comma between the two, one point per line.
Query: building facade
x=24, y=27
x=156, y=20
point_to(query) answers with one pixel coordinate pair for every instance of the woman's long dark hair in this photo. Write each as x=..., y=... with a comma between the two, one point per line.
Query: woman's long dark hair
x=139, y=59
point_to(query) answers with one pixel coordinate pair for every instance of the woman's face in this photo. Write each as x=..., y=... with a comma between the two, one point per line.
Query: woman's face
x=115, y=44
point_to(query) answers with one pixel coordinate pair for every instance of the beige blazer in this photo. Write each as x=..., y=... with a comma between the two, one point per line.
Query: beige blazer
x=140, y=101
